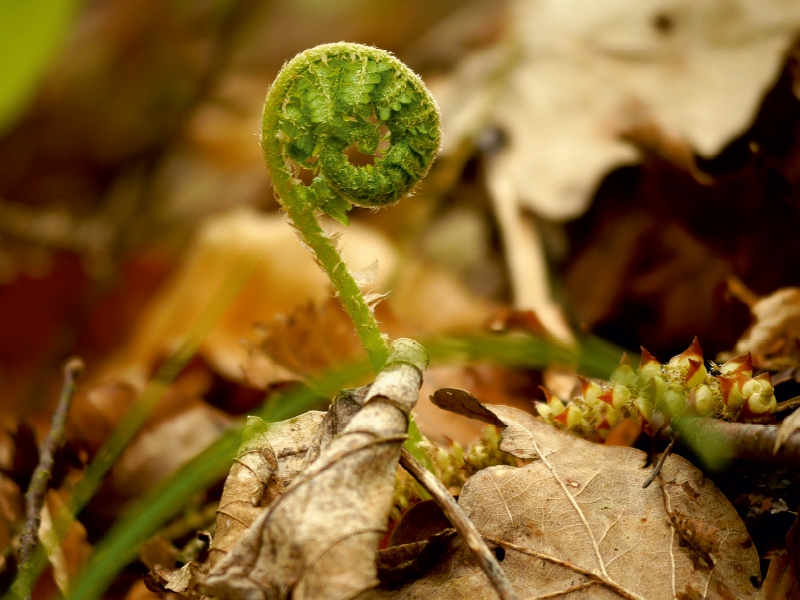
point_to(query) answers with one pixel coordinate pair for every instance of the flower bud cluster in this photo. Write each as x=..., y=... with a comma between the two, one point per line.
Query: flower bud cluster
x=452, y=466
x=656, y=393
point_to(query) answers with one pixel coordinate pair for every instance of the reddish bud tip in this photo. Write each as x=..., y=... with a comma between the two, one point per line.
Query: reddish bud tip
x=694, y=351
x=607, y=397
x=647, y=358
x=741, y=364
x=696, y=373
x=764, y=377
x=548, y=395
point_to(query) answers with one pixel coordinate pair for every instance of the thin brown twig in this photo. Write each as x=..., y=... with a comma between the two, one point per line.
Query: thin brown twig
x=462, y=524
x=35, y=496
x=660, y=463
x=787, y=404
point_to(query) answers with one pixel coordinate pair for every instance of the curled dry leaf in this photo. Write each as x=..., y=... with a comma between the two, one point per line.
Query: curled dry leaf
x=783, y=576
x=576, y=518
x=269, y=458
x=319, y=539
x=789, y=426
x=572, y=76
x=774, y=337
x=267, y=461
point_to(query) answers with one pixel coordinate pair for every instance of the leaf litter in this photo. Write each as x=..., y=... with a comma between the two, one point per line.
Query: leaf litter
x=319, y=539
x=576, y=518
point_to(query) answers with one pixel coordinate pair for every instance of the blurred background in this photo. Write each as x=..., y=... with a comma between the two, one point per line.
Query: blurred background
x=628, y=168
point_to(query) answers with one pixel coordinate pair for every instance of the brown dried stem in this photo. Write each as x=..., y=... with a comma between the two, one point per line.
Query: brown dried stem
x=659, y=464
x=34, y=498
x=462, y=524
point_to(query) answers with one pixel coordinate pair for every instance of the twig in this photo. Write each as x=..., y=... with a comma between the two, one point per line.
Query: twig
x=660, y=463
x=787, y=404
x=462, y=524
x=34, y=498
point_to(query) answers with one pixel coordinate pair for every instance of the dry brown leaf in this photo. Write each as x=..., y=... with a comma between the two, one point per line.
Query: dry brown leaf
x=285, y=277
x=787, y=427
x=11, y=513
x=345, y=406
x=159, y=451
x=319, y=539
x=68, y=554
x=265, y=464
x=179, y=581
x=308, y=341
x=576, y=521
x=435, y=301
x=783, y=576
x=774, y=337
x=573, y=75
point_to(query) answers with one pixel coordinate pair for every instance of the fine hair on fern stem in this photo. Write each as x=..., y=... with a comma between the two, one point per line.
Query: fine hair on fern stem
x=323, y=101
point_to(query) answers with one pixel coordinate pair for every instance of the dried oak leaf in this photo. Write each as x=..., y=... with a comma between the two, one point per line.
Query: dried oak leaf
x=284, y=277
x=774, y=337
x=575, y=522
x=783, y=576
x=308, y=341
x=571, y=77
x=319, y=539
x=788, y=426
x=269, y=458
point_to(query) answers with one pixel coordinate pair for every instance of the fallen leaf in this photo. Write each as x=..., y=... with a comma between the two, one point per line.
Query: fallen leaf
x=68, y=554
x=345, y=406
x=180, y=580
x=787, y=427
x=11, y=513
x=284, y=278
x=419, y=523
x=571, y=77
x=774, y=337
x=576, y=517
x=307, y=341
x=783, y=577
x=400, y=564
x=319, y=539
x=573, y=83
x=157, y=452
x=253, y=483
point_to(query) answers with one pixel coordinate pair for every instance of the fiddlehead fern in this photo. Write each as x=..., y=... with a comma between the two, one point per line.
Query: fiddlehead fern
x=322, y=102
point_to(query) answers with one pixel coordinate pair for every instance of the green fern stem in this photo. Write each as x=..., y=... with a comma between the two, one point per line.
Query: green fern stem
x=323, y=101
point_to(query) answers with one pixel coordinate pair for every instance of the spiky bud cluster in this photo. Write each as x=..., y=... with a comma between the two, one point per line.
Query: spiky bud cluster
x=453, y=466
x=656, y=393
